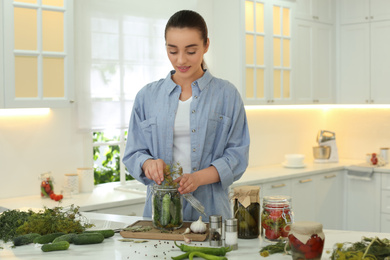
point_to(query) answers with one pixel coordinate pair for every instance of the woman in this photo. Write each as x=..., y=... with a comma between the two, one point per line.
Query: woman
x=192, y=118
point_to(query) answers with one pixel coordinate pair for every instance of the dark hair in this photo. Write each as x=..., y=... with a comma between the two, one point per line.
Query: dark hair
x=188, y=19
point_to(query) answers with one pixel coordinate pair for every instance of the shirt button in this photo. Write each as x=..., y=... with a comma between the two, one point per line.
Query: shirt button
x=221, y=117
x=193, y=149
x=193, y=130
x=193, y=84
x=194, y=169
x=193, y=111
x=196, y=97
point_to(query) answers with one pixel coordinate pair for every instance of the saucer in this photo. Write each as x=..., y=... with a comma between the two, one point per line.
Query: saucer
x=293, y=166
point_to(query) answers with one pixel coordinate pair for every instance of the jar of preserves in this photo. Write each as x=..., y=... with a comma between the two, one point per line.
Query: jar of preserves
x=306, y=240
x=276, y=217
x=247, y=211
x=167, y=207
x=46, y=184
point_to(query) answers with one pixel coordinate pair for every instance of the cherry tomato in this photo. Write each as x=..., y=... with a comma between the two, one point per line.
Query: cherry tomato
x=272, y=234
x=285, y=231
x=311, y=255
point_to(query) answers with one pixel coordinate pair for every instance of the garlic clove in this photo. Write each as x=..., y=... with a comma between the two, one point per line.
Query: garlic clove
x=187, y=240
x=187, y=231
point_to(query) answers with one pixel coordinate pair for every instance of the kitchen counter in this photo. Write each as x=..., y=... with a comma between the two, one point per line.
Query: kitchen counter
x=111, y=248
x=108, y=196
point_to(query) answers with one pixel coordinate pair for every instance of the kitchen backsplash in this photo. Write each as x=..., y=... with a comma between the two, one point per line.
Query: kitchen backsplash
x=35, y=144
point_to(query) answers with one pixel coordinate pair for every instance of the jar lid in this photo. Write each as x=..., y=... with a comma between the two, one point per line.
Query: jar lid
x=277, y=200
x=215, y=218
x=70, y=174
x=231, y=222
x=306, y=227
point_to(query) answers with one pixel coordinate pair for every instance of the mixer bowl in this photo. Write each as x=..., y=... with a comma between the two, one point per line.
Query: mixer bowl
x=321, y=152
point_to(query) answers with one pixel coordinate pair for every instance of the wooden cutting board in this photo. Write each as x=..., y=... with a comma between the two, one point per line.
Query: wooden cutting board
x=155, y=233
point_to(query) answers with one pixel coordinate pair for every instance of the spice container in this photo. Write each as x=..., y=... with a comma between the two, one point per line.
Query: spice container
x=306, y=240
x=46, y=185
x=247, y=211
x=215, y=230
x=276, y=217
x=231, y=233
x=167, y=208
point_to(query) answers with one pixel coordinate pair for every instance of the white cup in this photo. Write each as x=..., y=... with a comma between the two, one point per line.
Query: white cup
x=86, y=179
x=294, y=159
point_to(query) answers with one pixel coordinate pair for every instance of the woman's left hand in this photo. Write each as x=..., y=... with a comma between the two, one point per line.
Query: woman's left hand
x=188, y=183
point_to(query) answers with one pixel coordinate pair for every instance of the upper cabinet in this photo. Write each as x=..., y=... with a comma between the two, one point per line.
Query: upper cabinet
x=364, y=52
x=38, y=53
x=1, y=60
x=318, y=10
x=360, y=11
x=267, y=53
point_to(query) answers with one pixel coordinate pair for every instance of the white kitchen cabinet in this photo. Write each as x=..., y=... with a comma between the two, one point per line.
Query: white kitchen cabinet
x=360, y=11
x=1, y=55
x=330, y=199
x=282, y=187
x=37, y=49
x=319, y=10
x=130, y=210
x=385, y=203
x=303, y=198
x=314, y=62
x=363, y=63
x=363, y=203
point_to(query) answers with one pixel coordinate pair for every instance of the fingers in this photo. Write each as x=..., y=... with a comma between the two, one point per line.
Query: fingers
x=154, y=170
x=187, y=183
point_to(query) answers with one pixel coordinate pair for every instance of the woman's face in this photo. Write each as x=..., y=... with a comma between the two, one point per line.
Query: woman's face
x=185, y=49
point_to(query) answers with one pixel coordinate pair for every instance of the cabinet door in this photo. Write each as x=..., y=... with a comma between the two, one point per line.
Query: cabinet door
x=380, y=66
x=354, y=64
x=303, y=192
x=323, y=73
x=1, y=58
x=385, y=181
x=329, y=200
x=354, y=11
x=379, y=10
x=363, y=203
x=319, y=10
x=385, y=223
x=282, y=187
x=313, y=57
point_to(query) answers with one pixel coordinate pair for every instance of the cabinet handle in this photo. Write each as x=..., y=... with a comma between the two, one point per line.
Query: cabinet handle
x=278, y=185
x=367, y=101
x=366, y=17
x=304, y=181
x=372, y=17
x=330, y=176
x=371, y=101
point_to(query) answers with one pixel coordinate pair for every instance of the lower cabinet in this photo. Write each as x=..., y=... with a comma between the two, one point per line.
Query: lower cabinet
x=363, y=207
x=385, y=203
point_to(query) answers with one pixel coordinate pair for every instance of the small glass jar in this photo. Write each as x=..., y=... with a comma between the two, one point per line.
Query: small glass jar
x=247, y=211
x=167, y=208
x=306, y=240
x=231, y=234
x=215, y=232
x=276, y=218
x=46, y=184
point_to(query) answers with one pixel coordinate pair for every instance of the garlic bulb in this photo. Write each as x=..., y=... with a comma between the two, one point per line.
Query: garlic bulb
x=198, y=226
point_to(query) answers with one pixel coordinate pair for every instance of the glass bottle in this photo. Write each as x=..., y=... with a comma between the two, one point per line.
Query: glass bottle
x=215, y=230
x=307, y=240
x=46, y=184
x=276, y=217
x=231, y=233
x=247, y=211
x=167, y=208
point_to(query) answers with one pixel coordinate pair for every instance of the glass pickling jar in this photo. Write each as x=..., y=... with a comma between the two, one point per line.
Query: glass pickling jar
x=276, y=217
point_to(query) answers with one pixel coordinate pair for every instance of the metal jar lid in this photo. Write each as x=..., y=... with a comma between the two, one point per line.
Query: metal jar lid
x=215, y=221
x=231, y=225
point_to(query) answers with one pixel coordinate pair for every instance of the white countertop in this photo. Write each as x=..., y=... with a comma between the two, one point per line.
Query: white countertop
x=105, y=196
x=111, y=248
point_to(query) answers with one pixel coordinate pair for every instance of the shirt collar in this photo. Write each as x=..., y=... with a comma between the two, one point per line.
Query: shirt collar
x=201, y=82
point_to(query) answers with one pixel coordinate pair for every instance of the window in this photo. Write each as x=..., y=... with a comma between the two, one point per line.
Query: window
x=267, y=51
x=120, y=48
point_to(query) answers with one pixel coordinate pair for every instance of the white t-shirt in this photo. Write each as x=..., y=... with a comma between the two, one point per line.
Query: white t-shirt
x=181, y=136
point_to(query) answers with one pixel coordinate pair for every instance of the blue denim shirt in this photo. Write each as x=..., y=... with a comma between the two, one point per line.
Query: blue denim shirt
x=219, y=137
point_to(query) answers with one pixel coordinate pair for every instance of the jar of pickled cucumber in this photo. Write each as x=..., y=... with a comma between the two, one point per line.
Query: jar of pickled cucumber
x=167, y=208
x=276, y=218
x=247, y=211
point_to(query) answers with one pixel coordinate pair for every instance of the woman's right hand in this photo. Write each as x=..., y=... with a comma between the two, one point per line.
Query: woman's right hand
x=154, y=170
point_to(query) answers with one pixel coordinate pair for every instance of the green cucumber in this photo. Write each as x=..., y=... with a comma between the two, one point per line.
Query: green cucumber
x=88, y=238
x=62, y=245
x=25, y=239
x=67, y=237
x=46, y=239
x=176, y=211
x=105, y=232
x=165, y=214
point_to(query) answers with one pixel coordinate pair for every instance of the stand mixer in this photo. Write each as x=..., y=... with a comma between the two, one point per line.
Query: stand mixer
x=327, y=138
